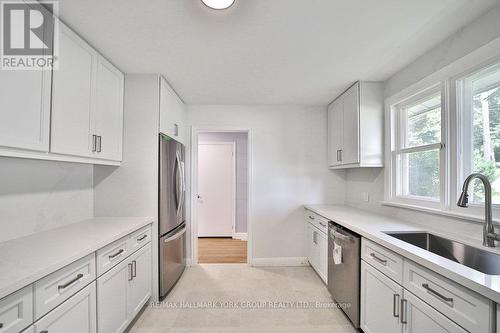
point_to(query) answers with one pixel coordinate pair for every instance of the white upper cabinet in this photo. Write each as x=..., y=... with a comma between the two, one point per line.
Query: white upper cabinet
x=72, y=96
x=172, y=113
x=355, y=127
x=25, y=109
x=108, y=120
x=87, y=102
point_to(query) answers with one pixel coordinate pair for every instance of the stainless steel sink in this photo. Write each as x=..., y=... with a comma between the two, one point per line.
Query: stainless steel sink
x=480, y=260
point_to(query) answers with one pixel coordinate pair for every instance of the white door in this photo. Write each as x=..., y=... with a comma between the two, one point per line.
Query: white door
x=335, y=115
x=350, y=133
x=139, y=288
x=112, y=311
x=73, y=96
x=422, y=318
x=380, y=302
x=76, y=315
x=109, y=111
x=216, y=186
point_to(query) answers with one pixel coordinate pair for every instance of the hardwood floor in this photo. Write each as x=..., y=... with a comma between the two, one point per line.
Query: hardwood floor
x=221, y=251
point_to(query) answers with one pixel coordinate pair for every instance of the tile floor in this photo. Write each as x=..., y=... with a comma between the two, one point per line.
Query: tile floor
x=271, y=293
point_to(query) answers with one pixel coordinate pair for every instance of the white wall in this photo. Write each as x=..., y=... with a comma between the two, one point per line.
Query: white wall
x=480, y=32
x=289, y=169
x=241, y=143
x=132, y=188
x=39, y=195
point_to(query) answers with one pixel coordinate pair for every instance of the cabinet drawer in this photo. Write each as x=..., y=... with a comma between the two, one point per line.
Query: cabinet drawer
x=76, y=315
x=16, y=310
x=317, y=220
x=468, y=309
x=386, y=261
x=57, y=287
x=112, y=254
x=139, y=238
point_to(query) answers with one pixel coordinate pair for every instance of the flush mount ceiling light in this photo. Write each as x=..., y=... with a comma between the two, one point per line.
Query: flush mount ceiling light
x=218, y=4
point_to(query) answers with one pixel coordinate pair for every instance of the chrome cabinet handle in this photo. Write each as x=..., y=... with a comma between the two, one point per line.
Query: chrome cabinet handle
x=113, y=256
x=176, y=129
x=437, y=294
x=99, y=138
x=94, y=143
x=404, y=314
x=322, y=224
x=134, y=269
x=311, y=217
x=130, y=272
x=142, y=238
x=338, y=158
x=395, y=305
x=69, y=283
x=44, y=331
x=380, y=260
x=340, y=155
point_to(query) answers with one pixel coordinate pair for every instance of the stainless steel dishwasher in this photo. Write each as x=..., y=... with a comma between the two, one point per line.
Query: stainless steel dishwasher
x=344, y=247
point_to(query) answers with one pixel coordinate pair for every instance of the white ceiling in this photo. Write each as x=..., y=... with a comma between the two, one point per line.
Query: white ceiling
x=266, y=51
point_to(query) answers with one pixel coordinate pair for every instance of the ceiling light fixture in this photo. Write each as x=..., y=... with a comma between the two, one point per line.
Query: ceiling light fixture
x=218, y=4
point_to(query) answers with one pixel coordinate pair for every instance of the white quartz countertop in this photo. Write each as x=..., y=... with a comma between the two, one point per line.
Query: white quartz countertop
x=26, y=260
x=372, y=226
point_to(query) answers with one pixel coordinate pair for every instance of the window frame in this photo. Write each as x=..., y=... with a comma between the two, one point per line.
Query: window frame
x=397, y=149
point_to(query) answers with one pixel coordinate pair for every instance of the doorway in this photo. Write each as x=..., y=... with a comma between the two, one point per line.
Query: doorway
x=221, y=197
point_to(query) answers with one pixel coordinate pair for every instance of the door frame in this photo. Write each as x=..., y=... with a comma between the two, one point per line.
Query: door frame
x=233, y=179
x=193, y=187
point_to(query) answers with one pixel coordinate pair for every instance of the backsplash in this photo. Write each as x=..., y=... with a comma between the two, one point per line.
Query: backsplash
x=371, y=180
x=40, y=195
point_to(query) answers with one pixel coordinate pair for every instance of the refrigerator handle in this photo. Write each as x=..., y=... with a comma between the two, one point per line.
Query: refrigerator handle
x=178, y=183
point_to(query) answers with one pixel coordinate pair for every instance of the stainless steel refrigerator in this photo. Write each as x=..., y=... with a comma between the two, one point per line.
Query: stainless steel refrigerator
x=172, y=212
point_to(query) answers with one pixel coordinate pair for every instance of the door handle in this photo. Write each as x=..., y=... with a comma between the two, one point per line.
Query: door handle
x=94, y=143
x=134, y=269
x=338, y=158
x=130, y=273
x=99, y=139
x=340, y=151
x=437, y=294
x=395, y=305
x=69, y=283
x=404, y=314
x=380, y=260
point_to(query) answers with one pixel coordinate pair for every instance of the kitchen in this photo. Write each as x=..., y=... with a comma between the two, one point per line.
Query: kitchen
x=362, y=121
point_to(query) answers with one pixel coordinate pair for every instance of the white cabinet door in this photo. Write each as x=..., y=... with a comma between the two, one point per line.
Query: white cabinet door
x=25, y=109
x=322, y=240
x=112, y=309
x=172, y=113
x=108, y=117
x=422, y=318
x=335, y=135
x=350, y=132
x=380, y=302
x=76, y=315
x=139, y=288
x=73, y=96
x=313, y=247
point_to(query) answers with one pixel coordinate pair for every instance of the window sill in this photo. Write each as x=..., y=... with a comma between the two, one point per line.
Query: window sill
x=446, y=213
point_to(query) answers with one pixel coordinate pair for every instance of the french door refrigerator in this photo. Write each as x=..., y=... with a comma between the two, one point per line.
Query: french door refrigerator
x=172, y=221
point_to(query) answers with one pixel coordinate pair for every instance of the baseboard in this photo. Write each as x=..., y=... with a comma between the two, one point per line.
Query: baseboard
x=241, y=236
x=278, y=262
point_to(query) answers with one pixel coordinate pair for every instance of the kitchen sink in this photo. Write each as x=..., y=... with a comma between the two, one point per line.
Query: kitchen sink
x=480, y=260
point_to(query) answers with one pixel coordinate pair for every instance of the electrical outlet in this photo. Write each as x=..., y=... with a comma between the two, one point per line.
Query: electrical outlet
x=366, y=197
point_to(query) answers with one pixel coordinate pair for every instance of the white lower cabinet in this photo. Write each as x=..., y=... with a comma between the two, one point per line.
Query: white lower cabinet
x=419, y=317
x=380, y=302
x=75, y=315
x=123, y=290
x=387, y=308
x=317, y=251
x=16, y=311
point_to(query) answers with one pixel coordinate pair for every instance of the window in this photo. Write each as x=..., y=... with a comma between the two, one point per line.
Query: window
x=439, y=134
x=479, y=104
